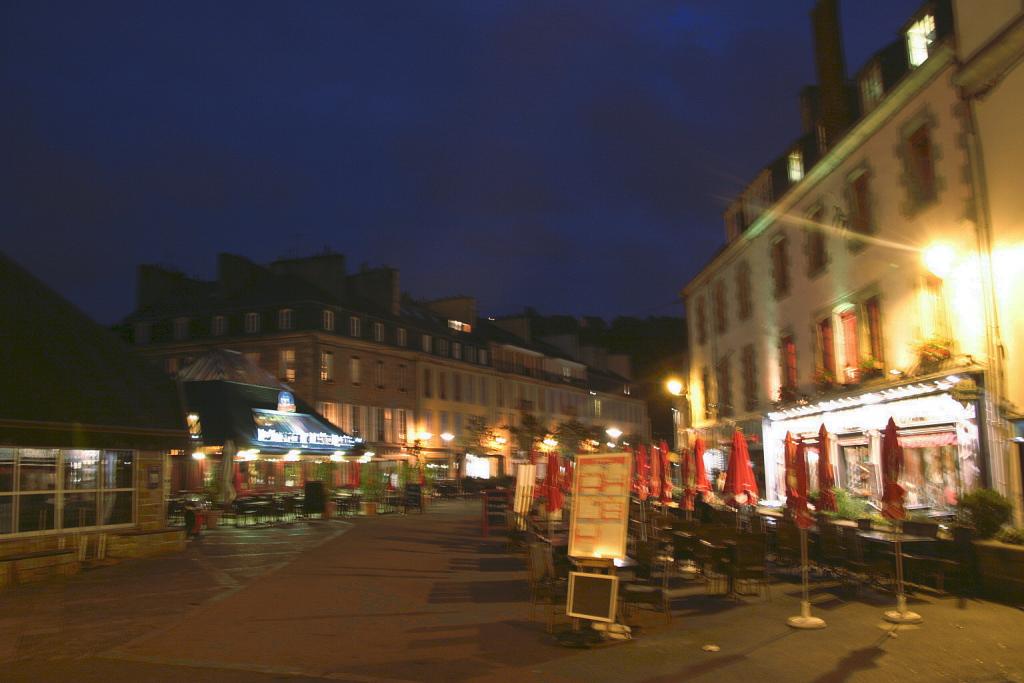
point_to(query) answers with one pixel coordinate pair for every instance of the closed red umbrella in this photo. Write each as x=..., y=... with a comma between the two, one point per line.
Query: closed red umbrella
x=688, y=477
x=702, y=483
x=552, y=488
x=789, y=452
x=567, y=476
x=740, y=485
x=656, y=475
x=643, y=469
x=796, y=500
x=826, y=479
x=354, y=474
x=892, y=468
x=666, y=474
x=802, y=514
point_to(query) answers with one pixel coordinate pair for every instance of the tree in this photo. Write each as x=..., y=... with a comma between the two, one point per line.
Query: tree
x=571, y=436
x=528, y=433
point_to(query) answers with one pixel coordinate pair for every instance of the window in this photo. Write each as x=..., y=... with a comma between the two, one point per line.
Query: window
x=724, y=388
x=286, y=365
x=428, y=422
x=705, y=388
x=859, y=205
x=826, y=346
x=442, y=347
x=379, y=425
x=483, y=356
x=355, y=327
x=470, y=389
x=442, y=385
x=444, y=421
x=814, y=245
x=402, y=428
x=483, y=391
x=326, y=366
x=871, y=87
x=873, y=310
x=252, y=323
x=378, y=374
x=920, y=38
x=355, y=420
x=331, y=411
x=920, y=166
x=219, y=326
x=142, y=333
x=596, y=408
x=743, y=301
x=426, y=382
x=180, y=329
x=401, y=338
x=749, y=378
x=789, y=378
x=702, y=321
x=796, y=166
x=851, y=352
x=459, y=326
x=402, y=377
x=378, y=332
x=780, y=267
x=355, y=369
x=721, y=319
x=456, y=350
x=284, y=319
x=327, y=320
x=456, y=386
x=499, y=394
x=428, y=345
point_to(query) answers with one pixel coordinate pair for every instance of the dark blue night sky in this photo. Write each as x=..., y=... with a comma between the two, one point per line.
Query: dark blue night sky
x=574, y=155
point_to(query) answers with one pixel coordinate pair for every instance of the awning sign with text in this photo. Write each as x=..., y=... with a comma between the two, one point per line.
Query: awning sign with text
x=600, y=510
x=297, y=430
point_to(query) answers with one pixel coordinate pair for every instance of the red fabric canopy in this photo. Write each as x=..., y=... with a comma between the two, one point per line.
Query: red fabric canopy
x=789, y=451
x=666, y=474
x=567, y=476
x=552, y=488
x=826, y=479
x=642, y=469
x=656, y=474
x=701, y=476
x=892, y=468
x=800, y=511
x=740, y=485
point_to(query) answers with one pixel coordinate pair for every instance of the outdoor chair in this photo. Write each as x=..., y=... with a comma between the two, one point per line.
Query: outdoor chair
x=869, y=567
x=952, y=562
x=787, y=543
x=831, y=551
x=745, y=564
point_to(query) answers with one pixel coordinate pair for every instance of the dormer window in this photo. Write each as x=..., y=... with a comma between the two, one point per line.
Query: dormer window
x=460, y=326
x=327, y=320
x=871, y=87
x=796, y=166
x=428, y=344
x=252, y=322
x=284, y=319
x=378, y=332
x=219, y=326
x=920, y=38
x=355, y=327
x=401, y=337
x=180, y=329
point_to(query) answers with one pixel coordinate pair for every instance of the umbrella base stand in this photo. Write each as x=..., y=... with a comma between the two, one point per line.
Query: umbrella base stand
x=805, y=620
x=901, y=615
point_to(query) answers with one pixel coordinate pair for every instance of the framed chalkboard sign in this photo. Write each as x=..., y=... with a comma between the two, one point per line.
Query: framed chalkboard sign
x=413, y=497
x=592, y=596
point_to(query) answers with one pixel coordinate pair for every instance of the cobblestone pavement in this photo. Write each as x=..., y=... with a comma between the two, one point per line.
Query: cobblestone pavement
x=425, y=598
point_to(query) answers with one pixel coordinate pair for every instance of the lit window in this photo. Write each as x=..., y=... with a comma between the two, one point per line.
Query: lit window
x=354, y=369
x=851, y=351
x=456, y=350
x=252, y=322
x=400, y=337
x=180, y=328
x=219, y=326
x=284, y=319
x=796, y=166
x=428, y=345
x=459, y=326
x=326, y=366
x=789, y=376
x=287, y=365
x=327, y=320
x=378, y=332
x=920, y=37
x=355, y=328
x=331, y=411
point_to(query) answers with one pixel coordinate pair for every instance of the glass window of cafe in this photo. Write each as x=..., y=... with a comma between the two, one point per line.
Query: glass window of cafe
x=49, y=489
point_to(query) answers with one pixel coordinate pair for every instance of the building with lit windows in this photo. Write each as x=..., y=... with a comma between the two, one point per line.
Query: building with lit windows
x=851, y=287
x=411, y=379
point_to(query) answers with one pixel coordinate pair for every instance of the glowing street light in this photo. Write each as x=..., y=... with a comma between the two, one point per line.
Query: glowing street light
x=613, y=432
x=939, y=259
x=447, y=437
x=674, y=386
x=550, y=442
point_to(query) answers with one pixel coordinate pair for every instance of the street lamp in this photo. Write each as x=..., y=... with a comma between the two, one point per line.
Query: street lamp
x=939, y=259
x=614, y=433
x=674, y=386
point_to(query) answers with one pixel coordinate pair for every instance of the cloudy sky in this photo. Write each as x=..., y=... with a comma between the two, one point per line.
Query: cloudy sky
x=572, y=155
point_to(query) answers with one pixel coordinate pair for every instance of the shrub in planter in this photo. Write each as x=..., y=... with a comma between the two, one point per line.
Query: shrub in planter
x=986, y=510
x=1011, y=535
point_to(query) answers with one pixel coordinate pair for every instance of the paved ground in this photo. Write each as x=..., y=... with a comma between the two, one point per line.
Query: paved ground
x=425, y=598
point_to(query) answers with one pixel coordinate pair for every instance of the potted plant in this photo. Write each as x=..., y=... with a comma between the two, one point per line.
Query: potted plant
x=824, y=379
x=372, y=487
x=1000, y=564
x=871, y=367
x=933, y=351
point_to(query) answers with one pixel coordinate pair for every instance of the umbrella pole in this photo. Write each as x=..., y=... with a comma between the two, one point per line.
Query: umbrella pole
x=901, y=615
x=805, y=620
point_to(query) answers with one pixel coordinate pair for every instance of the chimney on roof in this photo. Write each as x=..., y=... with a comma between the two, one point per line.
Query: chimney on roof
x=237, y=273
x=379, y=285
x=156, y=285
x=828, y=52
x=324, y=271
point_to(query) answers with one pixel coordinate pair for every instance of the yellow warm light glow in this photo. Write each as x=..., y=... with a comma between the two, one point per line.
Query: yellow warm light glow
x=337, y=456
x=291, y=456
x=674, y=387
x=550, y=443
x=425, y=436
x=613, y=432
x=939, y=258
x=447, y=437
x=501, y=441
x=199, y=456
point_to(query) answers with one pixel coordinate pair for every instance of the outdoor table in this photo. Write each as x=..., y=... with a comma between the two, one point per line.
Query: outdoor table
x=888, y=537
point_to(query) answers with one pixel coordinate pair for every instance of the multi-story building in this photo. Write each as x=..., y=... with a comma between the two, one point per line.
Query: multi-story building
x=407, y=377
x=850, y=290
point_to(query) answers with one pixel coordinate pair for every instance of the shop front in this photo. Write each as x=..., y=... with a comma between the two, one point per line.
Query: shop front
x=939, y=435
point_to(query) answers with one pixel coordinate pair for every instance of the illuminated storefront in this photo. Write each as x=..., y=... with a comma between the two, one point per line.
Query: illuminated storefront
x=939, y=435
